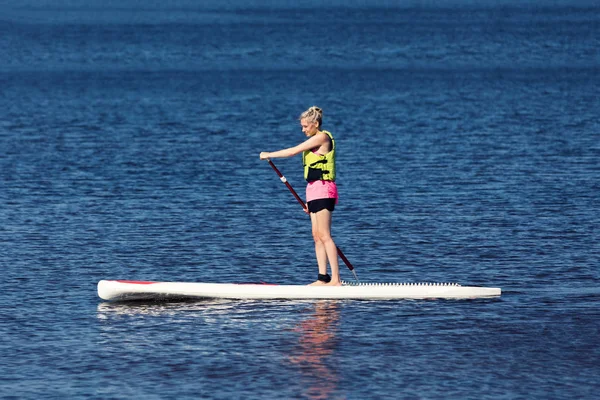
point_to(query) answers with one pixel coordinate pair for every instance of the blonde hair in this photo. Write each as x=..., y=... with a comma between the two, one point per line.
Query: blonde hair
x=313, y=114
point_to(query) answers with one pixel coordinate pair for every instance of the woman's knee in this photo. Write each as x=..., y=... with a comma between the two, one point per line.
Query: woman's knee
x=322, y=236
x=316, y=236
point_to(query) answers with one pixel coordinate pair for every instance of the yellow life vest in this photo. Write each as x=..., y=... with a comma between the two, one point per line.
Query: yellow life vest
x=318, y=167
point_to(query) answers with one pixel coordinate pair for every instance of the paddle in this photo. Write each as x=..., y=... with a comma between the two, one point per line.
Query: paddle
x=282, y=178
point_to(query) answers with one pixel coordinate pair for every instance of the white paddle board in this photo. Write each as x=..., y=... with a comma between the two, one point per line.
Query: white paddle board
x=123, y=290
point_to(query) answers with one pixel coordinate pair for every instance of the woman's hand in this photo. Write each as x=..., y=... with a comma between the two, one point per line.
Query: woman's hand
x=264, y=155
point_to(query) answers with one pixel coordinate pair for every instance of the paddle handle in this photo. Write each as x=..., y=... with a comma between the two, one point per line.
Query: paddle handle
x=303, y=204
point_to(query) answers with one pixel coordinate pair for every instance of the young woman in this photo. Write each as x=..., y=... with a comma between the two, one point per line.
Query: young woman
x=318, y=158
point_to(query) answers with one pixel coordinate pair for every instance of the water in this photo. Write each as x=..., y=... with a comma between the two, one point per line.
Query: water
x=468, y=152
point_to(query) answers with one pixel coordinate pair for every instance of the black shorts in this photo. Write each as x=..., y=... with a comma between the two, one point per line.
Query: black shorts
x=321, y=204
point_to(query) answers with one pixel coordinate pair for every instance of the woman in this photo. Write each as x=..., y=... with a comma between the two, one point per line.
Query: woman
x=318, y=158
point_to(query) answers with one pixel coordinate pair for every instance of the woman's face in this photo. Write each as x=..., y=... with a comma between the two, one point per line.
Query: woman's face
x=309, y=128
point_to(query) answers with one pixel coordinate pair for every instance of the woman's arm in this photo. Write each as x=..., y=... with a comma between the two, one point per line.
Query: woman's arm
x=318, y=140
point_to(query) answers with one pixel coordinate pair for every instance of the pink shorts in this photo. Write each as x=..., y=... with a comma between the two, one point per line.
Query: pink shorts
x=321, y=190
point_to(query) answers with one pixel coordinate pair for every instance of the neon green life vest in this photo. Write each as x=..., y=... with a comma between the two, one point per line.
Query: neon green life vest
x=318, y=167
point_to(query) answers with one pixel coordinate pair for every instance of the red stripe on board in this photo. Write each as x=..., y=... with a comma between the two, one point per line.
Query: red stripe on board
x=136, y=282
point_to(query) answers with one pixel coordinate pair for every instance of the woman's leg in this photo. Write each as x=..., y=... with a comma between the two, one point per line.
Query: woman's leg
x=323, y=223
x=320, y=251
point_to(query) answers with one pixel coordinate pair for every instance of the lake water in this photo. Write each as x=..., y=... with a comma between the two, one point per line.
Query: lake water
x=468, y=151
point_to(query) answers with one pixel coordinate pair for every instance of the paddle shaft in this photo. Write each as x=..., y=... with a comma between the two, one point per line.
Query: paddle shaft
x=282, y=178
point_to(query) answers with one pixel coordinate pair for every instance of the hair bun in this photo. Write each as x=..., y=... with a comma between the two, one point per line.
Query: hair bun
x=313, y=114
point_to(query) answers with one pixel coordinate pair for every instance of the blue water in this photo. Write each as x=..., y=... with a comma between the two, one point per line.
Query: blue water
x=469, y=147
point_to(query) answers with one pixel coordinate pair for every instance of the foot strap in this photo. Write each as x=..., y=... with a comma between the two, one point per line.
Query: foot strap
x=324, y=278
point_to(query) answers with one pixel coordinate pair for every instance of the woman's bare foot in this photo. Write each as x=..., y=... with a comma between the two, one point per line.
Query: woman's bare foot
x=334, y=283
x=317, y=283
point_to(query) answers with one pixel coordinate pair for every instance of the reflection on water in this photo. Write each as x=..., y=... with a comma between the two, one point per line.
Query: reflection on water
x=266, y=337
x=316, y=345
x=209, y=307
x=107, y=310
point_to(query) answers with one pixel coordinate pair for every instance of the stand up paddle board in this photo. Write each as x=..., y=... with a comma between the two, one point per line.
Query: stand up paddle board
x=122, y=290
